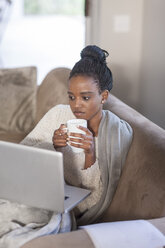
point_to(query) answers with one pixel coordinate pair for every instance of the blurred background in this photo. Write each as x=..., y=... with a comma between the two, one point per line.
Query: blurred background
x=43, y=33
x=52, y=33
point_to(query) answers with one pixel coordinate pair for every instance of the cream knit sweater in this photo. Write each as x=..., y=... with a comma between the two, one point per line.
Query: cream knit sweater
x=74, y=172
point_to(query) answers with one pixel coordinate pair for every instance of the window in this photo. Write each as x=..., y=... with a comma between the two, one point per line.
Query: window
x=46, y=34
x=62, y=7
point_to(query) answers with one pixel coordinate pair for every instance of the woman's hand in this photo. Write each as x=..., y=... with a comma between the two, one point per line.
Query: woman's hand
x=60, y=137
x=86, y=142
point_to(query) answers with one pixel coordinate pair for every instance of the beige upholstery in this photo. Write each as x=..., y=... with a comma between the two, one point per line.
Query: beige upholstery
x=22, y=104
x=141, y=190
x=76, y=239
x=52, y=91
x=17, y=102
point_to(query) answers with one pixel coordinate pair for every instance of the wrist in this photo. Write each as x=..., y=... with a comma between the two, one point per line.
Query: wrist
x=90, y=159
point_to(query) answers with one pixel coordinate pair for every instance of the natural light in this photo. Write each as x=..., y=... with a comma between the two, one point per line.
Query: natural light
x=45, y=41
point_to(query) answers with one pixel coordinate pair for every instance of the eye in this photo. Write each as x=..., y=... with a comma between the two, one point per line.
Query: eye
x=71, y=97
x=86, y=98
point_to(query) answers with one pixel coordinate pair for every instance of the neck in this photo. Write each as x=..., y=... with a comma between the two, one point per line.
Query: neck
x=94, y=123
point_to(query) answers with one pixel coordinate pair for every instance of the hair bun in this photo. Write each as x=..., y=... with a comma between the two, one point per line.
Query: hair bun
x=95, y=53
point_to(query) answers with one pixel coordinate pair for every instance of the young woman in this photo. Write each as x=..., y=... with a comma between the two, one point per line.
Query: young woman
x=105, y=146
x=106, y=140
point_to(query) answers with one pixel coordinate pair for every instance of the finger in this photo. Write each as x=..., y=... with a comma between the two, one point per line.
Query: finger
x=56, y=145
x=60, y=132
x=55, y=132
x=86, y=146
x=79, y=135
x=60, y=136
x=75, y=140
x=63, y=128
x=80, y=140
x=85, y=129
x=59, y=140
x=78, y=145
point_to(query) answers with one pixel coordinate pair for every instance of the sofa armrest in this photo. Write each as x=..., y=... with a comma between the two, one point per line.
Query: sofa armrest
x=14, y=137
x=94, y=235
x=75, y=239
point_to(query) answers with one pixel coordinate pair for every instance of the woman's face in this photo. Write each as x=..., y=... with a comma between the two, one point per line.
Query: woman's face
x=84, y=98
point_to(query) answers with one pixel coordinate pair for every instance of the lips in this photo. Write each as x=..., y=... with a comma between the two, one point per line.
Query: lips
x=78, y=113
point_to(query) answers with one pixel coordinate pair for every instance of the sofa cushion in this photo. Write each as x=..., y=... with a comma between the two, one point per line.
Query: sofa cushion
x=52, y=91
x=18, y=99
x=73, y=239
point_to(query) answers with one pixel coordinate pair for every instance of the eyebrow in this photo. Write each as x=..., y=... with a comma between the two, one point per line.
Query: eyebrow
x=82, y=93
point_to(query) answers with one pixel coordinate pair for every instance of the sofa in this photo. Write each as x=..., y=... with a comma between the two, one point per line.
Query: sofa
x=17, y=102
x=140, y=194
x=23, y=103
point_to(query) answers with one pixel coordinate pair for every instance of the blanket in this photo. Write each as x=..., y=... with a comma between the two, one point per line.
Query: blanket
x=19, y=223
x=114, y=140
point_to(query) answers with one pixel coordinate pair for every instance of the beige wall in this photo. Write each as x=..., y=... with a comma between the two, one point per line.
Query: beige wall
x=152, y=84
x=124, y=29
x=120, y=34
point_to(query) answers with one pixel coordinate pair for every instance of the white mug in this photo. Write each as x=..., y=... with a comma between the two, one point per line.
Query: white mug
x=72, y=127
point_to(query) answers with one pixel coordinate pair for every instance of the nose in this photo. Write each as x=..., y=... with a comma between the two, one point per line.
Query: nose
x=78, y=103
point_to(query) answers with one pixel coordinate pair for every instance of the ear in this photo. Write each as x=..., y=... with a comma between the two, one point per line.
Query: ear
x=104, y=95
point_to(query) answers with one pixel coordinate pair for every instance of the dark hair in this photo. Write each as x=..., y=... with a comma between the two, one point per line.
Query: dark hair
x=93, y=64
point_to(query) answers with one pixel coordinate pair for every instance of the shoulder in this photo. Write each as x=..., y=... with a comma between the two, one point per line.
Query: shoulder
x=55, y=116
x=115, y=122
x=60, y=107
x=59, y=110
x=59, y=114
x=119, y=131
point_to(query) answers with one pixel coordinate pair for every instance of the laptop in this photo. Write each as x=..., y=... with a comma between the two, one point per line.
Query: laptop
x=34, y=177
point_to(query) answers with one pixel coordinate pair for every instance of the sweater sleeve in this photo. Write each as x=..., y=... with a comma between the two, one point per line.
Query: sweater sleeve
x=89, y=178
x=41, y=135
